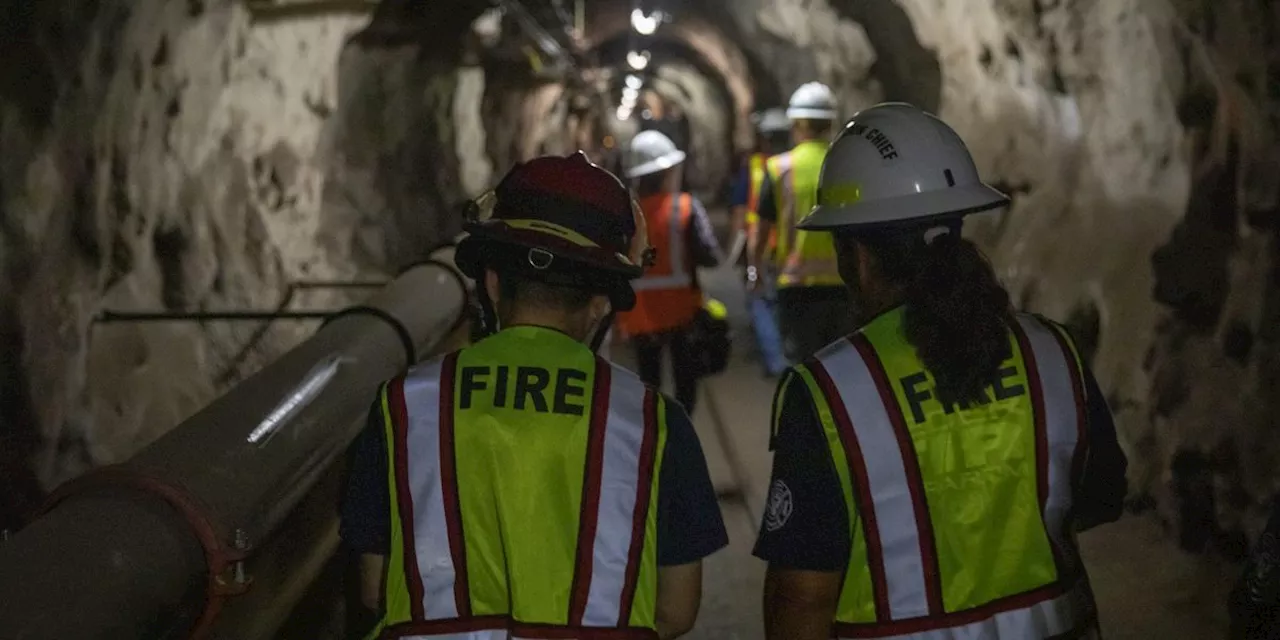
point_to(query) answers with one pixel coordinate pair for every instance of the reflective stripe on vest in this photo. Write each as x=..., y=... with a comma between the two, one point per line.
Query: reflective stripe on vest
x=530, y=632
x=755, y=180
x=758, y=163
x=1065, y=617
x=672, y=272
x=894, y=587
x=448, y=506
x=805, y=259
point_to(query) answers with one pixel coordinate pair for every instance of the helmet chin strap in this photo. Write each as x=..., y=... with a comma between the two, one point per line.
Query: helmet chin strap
x=488, y=316
x=602, y=330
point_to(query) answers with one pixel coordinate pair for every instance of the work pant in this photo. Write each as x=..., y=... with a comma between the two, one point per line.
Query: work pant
x=649, y=348
x=763, y=308
x=810, y=318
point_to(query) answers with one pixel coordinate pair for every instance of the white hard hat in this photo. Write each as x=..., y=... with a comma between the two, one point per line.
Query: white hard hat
x=894, y=163
x=812, y=101
x=772, y=121
x=651, y=152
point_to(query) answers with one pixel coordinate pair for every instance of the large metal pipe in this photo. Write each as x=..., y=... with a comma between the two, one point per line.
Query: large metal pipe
x=145, y=549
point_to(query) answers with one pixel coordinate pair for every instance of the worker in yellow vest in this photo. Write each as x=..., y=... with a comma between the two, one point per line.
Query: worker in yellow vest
x=524, y=487
x=813, y=306
x=772, y=136
x=931, y=470
x=773, y=131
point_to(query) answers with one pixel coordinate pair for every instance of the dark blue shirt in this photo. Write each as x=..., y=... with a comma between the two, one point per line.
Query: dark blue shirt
x=689, y=524
x=815, y=536
x=741, y=186
x=768, y=207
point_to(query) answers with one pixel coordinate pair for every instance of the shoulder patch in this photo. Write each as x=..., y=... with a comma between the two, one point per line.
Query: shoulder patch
x=778, y=511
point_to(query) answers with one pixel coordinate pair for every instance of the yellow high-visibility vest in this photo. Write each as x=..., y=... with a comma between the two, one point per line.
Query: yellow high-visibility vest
x=805, y=258
x=756, y=173
x=959, y=516
x=755, y=181
x=524, y=481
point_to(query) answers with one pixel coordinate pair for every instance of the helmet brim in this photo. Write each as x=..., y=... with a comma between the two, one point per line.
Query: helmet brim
x=581, y=256
x=661, y=163
x=808, y=113
x=474, y=254
x=910, y=209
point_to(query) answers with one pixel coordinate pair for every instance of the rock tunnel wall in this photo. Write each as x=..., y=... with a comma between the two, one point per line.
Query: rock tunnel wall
x=711, y=133
x=158, y=156
x=189, y=156
x=179, y=156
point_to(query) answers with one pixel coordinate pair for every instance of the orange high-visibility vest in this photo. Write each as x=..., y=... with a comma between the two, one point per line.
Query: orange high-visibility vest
x=667, y=296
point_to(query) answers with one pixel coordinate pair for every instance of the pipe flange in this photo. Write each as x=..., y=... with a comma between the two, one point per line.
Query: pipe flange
x=220, y=559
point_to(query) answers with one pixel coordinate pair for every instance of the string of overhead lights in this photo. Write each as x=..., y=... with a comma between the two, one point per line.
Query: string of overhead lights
x=638, y=59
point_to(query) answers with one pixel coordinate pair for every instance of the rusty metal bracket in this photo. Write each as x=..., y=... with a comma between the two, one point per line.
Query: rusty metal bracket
x=225, y=563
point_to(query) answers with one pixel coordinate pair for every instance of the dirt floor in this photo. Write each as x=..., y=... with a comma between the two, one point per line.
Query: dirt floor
x=1145, y=587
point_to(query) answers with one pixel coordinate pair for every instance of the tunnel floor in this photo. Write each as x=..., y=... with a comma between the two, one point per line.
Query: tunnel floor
x=1146, y=588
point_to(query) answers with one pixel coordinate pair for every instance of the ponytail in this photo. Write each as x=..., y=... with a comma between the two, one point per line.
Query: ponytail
x=956, y=313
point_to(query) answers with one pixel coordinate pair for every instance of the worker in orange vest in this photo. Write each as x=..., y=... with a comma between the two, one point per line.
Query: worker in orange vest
x=668, y=296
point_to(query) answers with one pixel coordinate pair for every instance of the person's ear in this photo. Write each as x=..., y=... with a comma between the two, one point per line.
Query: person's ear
x=491, y=286
x=866, y=267
x=599, y=308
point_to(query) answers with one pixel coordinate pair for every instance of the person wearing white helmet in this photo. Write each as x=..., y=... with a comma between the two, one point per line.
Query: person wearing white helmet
x=668, y=297
x=812, y=303
x=932, y=468
x=773, y=131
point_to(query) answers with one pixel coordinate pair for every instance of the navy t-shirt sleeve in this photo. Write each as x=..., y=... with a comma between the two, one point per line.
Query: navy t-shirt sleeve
x=366, y=505
x=689, y=524
x=1100, y=496
x=741, y=188
x=805, y=524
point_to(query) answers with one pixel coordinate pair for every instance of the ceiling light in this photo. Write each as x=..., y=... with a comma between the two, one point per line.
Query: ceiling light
x=638, y=59
x=634, y=81
x=623, y=113
x=644, y=25
x=630, y=93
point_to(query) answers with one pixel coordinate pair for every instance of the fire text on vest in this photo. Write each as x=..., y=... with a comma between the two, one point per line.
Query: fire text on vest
x=916, y=391
x=526, y=388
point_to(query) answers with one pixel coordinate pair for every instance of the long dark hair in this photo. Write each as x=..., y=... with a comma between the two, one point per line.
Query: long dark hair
x=955, y=311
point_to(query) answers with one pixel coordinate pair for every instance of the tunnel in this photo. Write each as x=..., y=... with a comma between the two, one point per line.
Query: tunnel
x=185, y=159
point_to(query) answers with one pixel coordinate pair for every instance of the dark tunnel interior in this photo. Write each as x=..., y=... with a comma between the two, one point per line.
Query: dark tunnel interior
x=282, y=159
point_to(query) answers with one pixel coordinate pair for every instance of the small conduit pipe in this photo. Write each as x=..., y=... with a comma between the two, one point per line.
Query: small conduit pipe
x=231, y=371
x=151, y=547
x=277, y=11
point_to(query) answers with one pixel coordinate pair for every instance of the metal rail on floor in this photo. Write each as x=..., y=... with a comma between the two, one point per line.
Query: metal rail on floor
x=741, y=492
x=216, y=529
